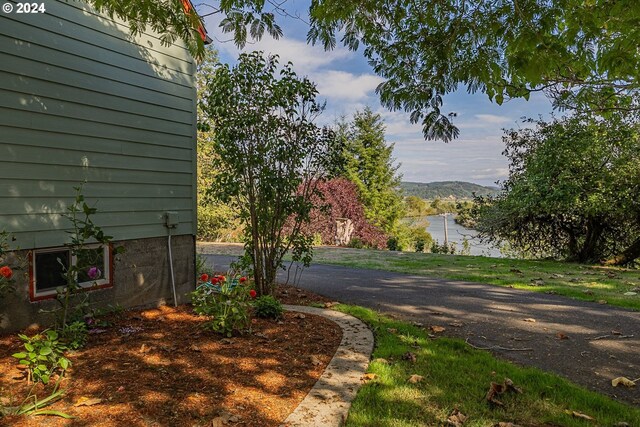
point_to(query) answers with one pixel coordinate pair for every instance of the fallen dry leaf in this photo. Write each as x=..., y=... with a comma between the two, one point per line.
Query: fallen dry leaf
x=456, y=418
x=601, y=301
x=579, y=415
x=413, y=379
x=224, y=418
x=622, y=381
x=195, y=348
x=456, y=324
x=392, y=330
x=369, y=377
x=411, y=357
x=314, y=360
x=330, y=304
x=496, y=389
x=616, y=333
x=437, y=329
x=562, y=336
x=506, y=424
x=87, y=401
x=510, y=386
x=530, y=319
x=299, y=316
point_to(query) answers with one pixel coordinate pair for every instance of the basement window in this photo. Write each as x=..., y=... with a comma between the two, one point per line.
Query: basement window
x=49, y=267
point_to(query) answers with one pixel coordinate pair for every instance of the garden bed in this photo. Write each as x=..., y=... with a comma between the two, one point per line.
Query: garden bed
x=158, y=367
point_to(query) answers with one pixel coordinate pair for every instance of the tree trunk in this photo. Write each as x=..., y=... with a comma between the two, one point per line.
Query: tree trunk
x=628, y=255
x=590, y=251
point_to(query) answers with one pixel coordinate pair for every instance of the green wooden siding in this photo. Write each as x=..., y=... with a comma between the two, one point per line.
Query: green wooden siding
x=81, y=100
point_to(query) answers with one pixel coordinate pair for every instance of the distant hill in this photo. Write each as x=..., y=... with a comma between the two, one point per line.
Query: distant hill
x=446, y=189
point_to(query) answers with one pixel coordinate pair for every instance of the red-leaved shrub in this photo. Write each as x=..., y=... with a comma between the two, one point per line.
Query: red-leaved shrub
x=340, y=200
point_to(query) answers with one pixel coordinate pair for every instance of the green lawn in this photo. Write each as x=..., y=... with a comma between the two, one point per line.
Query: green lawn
x=457, y=376
x=590, y=283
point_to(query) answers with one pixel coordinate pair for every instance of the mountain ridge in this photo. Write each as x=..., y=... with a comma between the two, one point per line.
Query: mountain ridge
x=446, y=189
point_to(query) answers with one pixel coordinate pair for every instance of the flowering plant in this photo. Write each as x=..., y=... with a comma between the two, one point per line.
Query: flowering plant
x=7, y=279
x=225, y=300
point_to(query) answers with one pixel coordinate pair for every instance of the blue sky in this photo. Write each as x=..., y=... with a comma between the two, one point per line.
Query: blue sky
x=347, y=83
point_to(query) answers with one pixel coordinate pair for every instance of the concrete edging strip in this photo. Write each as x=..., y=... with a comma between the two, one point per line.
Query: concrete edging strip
x=328, y=402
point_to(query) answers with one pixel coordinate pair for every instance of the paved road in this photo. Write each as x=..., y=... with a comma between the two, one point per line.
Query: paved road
x=561, y=340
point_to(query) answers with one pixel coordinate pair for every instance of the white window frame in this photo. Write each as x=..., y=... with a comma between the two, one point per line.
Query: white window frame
x=106, y=269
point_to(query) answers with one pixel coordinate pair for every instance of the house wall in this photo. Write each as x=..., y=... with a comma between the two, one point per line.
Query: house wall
x=83, y=101
x=141, y=279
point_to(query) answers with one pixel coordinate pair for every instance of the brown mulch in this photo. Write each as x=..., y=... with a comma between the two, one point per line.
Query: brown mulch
x=288, y=294
x=158, y=367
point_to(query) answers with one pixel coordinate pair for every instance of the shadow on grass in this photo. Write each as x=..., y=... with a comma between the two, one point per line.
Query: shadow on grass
x=458, y=377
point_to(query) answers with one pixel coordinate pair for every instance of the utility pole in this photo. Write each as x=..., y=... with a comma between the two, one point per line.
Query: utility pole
x=446, y=231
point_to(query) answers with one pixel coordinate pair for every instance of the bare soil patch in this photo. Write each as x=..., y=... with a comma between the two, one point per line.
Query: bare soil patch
x=158, y=367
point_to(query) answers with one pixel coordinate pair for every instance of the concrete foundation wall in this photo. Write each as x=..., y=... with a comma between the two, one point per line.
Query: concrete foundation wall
x=141, y=278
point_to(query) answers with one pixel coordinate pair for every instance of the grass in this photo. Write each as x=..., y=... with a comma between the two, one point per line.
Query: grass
x=584, y=282
x=457, y=377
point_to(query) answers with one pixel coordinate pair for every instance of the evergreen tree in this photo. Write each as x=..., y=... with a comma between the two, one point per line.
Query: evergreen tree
x=368, y=163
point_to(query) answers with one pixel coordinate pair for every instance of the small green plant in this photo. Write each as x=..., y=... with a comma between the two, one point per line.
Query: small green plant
x=437, y=248
x=43, y=356
x=31, y=405
x=74, y=303
x=74, y=334
x=225, y=301
x=268, y=307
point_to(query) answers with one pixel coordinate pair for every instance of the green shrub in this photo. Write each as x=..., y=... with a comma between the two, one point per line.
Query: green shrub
x=421, y=239
x=43, y=356
x=74, y=334
x=393, y=244
x=268, y=307
x=218, y=223
x=225, y=302
x=356, y=243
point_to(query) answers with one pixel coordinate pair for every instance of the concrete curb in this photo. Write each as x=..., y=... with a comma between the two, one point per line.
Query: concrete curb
x=328, y=402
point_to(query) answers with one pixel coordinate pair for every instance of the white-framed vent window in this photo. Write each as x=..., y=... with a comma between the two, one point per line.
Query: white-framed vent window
x=49, y=266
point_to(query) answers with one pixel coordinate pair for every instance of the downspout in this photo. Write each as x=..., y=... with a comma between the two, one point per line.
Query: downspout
x=171, y=222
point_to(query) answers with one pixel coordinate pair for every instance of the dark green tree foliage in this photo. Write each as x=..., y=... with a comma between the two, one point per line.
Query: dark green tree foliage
x=172, y=19
x=573, y=191
x=269, y=154
x=582, y=52
x=368, y=163
x=216, y=220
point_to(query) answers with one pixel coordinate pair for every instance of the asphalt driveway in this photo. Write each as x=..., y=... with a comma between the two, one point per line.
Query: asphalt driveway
x=588, y=343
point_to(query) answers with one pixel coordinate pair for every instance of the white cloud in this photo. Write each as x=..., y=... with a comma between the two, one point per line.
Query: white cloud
x=306, y=58
x=493, y=119
x=345, y=86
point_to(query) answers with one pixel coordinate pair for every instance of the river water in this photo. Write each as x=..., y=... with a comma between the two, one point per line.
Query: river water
x=457, y=233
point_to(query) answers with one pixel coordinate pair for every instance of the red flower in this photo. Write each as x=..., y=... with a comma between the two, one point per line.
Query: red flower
x=204, y=277
x=253, y=293
x=243, y=279
x=6, y=272
x=215, y=281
